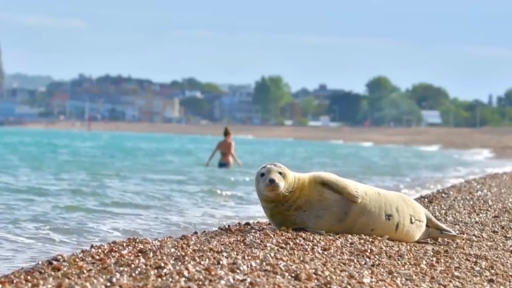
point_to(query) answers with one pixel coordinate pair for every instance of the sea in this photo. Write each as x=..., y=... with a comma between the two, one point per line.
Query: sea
x=61, y=191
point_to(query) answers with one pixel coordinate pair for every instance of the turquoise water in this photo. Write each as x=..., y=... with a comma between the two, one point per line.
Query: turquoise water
x=61, y=191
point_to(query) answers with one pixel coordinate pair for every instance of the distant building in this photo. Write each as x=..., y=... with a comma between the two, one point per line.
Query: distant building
x=237, y=108
x=431, y=117
x=158, y=109
x=301, y=94
x=236, y=89
x=58, y=102
x=322, y=93
x=11, y=110
x=20, y=95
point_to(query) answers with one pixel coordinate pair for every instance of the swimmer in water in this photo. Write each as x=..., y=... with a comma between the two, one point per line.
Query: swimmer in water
x=226, y=148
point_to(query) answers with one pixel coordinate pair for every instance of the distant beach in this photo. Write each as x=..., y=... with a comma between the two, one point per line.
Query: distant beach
x=499, y=140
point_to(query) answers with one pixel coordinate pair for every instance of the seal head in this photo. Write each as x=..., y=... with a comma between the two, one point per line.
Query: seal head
x=272, y=181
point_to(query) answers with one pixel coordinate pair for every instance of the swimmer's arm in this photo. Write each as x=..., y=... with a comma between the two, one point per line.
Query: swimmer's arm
x=332, y=183
x=213, y=153
x=234, y=155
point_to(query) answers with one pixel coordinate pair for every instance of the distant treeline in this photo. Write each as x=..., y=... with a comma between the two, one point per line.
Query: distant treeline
x=26, y=81
x=382, y=102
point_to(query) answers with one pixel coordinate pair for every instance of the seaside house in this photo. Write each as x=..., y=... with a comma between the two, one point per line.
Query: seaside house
x=431, y=118
x=10, y=109
x=25, y=112
x=157, y=108
x=236, y=107
x=7, y=109
x=322, y=93
x=20, y=95
x=102, y=106
x=238, y=89
x=171, y=110
x=58, y=102
x=300, y=94
x=192, y=93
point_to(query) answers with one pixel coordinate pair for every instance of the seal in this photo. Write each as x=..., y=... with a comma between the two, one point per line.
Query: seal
x=323, y=202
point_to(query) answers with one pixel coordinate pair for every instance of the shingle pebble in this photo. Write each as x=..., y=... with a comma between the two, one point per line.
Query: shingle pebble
x=256, y=255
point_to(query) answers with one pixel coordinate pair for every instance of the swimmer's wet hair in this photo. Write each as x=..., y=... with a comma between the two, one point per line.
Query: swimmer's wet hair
x=227, y=132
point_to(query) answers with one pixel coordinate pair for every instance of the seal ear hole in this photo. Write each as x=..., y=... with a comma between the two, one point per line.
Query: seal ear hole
x=262, y=174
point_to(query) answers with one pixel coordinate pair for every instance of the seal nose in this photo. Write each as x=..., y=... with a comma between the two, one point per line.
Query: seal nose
x=271, y=181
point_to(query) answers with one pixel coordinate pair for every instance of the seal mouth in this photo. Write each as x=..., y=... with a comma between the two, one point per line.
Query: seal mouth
x=272, y=186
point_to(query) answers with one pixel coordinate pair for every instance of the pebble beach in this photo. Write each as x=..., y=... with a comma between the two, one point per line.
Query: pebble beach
x=255, y=254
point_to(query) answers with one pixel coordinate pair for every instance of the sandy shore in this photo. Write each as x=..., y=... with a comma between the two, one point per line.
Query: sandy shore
x=254, y=254
x=497, y=139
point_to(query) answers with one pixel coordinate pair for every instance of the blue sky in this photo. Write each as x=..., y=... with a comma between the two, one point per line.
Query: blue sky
x=460, y=45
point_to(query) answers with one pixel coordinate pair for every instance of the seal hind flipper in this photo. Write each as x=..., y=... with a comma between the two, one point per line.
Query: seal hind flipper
x=435, y=229
x=332, y=183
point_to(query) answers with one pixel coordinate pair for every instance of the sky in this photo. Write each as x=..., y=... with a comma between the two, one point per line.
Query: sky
x=459, y=45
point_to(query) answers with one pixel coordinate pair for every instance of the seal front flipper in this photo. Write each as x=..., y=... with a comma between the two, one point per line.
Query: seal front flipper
x=337, y=185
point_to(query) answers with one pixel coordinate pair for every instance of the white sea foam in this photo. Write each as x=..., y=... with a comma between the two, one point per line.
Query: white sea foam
x=365, y=144
x=478, y=154
x=248, y=136
x=15, y=238
x=429, y=147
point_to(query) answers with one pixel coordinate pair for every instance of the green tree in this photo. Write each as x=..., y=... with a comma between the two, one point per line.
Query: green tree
x=261, y=97
x=307, y=106
x=301, y=93
x=270, y=94
x=508, y=96
x=280, y=90
x=211, y=88
x=428, y=96
x=378, y=88
x=490, y=116
x=191, y=83
x=345, y=106
x=505, y=100
x=482, y=115
x=196, y=106
x=398, y=109
x=454, y=113
x=176, y=85
x=320, y=109
x=364, y=112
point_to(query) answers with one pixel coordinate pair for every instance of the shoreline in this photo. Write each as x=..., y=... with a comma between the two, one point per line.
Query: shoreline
x=254, y=254
x=498, y=140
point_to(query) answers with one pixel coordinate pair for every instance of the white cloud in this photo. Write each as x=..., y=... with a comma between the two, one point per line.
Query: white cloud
x=489, y=51
x=321, y=39
x=305, y=39
x=203, y=33
x=479, y=51
x=43, y=21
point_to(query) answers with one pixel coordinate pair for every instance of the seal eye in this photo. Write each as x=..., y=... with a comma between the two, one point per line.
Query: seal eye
x=280, y=173
x=262, y=174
